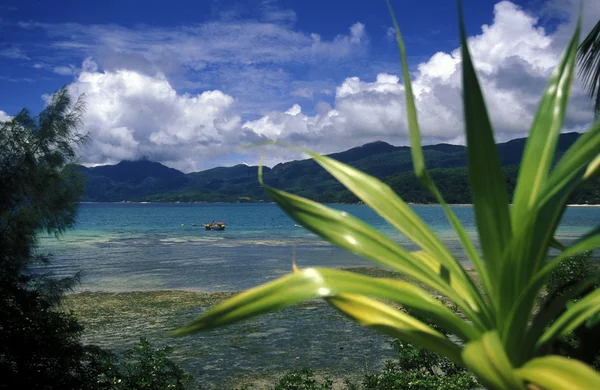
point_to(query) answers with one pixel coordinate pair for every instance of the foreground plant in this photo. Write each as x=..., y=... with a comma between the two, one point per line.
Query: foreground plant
x=499, y=335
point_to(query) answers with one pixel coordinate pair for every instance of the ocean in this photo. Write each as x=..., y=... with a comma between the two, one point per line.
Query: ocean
x=122, y=247
x=129, y=253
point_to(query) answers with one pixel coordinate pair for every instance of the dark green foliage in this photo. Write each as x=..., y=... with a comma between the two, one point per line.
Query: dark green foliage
x=584, y=342
x=40, y=190
x=143, y=180
x=299, y=379
x=142, y=367
x=129, y=179
x=588, y=58
x=588, y=193
x=302, y=379
x=147, y=368
x=136, y=171
x=570, y=271
x=39, y=345
x=193, y=195
x=417, y=368
x=391, y=379
x=414, y=368
x=414, y=358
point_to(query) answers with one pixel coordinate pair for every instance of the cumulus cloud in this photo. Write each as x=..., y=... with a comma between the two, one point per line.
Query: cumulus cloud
x=312, y=89
x=133, y=113
x=4, y=116
x=363, y=112
x=241, y=57
x=130, y=115
x=514, y=58
x=567, y=11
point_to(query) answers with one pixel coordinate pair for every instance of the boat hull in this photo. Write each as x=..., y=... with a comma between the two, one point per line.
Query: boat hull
x=210, y=226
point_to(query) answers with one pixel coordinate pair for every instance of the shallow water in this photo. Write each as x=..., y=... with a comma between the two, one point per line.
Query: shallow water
x=311, y=334
x=129, y=246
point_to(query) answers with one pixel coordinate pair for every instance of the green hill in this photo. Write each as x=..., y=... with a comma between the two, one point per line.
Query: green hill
x=152, y=181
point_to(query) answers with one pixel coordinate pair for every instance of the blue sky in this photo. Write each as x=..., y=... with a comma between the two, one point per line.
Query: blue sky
x=187, y=82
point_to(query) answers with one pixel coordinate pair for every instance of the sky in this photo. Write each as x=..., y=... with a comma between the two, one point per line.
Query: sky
x=190, y=83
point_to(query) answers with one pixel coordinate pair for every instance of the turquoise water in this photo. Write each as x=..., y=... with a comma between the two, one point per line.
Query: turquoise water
x=131, y=246
x=127, y=246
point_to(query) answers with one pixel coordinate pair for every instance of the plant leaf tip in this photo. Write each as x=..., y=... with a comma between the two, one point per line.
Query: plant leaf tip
x=294, y=265
x=260, y=170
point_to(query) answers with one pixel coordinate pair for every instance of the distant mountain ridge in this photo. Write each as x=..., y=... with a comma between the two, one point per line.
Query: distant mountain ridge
x=152, y=181
x=135, y=171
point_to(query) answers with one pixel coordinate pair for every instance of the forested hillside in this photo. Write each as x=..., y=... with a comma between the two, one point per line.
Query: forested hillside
x=152, y=181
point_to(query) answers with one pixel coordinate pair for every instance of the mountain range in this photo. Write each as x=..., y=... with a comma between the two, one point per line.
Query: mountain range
x=151, y=181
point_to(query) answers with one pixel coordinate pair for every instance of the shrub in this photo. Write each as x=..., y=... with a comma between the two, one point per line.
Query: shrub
x=142, y=367
x=570, y=271
x=302, y=379
x=418, y=368
x=583, y=343
x=146, y=367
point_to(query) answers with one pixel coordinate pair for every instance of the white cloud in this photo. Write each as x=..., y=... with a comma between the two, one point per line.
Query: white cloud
x=568, y=11
x=303, y=92
x=311, y=89
x=130, y=115
x=140, y=113
x=514, y=58
x=357, y=33
x=64, y=70
x=16, y=79
x=390, y=34
x=193, y=47
x=89, y=65
x=272, y=12
x=4, y=116
x=243, y=57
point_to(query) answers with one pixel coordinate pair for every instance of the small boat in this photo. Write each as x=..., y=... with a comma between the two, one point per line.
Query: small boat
x=219, y=226
x=214, y=226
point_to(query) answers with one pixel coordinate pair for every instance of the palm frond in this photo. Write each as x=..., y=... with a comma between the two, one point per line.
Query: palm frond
x=588, y=58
